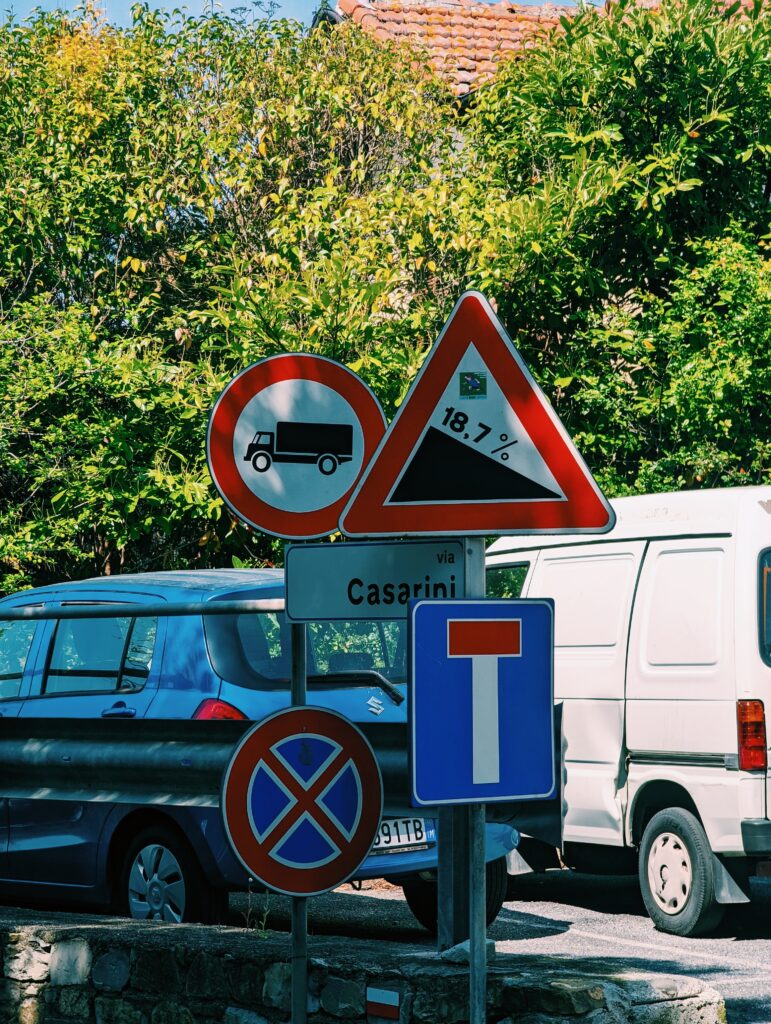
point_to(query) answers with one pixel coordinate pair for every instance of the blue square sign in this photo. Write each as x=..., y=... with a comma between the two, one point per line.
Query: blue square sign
x=482, y=701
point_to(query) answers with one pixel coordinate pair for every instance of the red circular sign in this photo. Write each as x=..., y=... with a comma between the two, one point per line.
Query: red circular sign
x=288, y=439
x=301, y=800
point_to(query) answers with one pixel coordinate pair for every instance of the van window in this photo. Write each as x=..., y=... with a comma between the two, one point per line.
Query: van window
x=684, y=620
x=765, y=606
x=15, y=644
x=504, y=581
x=255, y=650
x=100, y=655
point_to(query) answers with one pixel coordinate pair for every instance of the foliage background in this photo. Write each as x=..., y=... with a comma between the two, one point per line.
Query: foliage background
x=185, y=196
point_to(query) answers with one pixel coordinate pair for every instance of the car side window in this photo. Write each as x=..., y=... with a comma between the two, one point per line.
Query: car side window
x=100, y=655
x=139, y=654
x=340, y=647
x=15, y=644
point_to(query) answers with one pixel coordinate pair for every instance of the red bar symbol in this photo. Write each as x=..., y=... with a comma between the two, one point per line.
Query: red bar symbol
x=485, y=642
x=470, y=638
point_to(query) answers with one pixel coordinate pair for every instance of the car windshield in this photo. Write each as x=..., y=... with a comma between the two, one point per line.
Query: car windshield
x=765, y=606
x=254, y=650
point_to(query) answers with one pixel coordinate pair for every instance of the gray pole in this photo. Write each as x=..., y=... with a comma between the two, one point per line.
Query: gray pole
x=453, y=840
x=299, y=903
x=477, y=916
x=461, y=881
x=477, y=919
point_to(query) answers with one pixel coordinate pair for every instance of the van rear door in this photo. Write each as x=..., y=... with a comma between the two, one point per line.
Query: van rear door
x=593, y=587
x=682, y=685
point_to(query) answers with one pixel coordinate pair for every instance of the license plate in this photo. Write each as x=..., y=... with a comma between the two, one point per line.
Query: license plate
x=403, y=833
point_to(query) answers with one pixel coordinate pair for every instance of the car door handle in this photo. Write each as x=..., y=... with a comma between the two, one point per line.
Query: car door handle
x=119, y=710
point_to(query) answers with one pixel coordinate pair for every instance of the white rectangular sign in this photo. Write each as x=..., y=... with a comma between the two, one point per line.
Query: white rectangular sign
x=369, y=580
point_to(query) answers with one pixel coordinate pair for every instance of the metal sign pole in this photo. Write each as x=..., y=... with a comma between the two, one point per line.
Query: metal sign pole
x=462, y=872
x=453, y=840
x=477, y=914
x=299, y=903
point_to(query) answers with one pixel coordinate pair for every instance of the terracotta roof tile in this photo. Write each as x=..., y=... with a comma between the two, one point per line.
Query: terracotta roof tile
x=463, y=39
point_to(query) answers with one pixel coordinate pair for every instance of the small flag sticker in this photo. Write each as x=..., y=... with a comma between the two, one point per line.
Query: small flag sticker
x=472, y=385
x=382, y=1004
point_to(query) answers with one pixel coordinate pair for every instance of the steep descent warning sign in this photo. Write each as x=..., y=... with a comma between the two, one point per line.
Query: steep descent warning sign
x=475, y=448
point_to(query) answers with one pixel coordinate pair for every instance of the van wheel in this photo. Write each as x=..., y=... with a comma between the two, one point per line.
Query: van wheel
x=676, y=876
x=422, y=895
x=261, y=462
x=161, y=880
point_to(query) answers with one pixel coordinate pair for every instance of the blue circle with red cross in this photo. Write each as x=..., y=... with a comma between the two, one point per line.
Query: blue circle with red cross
x=301, y=801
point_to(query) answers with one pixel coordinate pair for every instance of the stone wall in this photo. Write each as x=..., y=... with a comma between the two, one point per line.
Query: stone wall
x=121, y=972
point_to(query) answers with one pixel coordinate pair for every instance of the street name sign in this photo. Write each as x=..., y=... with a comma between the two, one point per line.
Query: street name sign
x=482, y=701
x=375, y=580
x=287, y=440
x=475, y=448
x=301, y=800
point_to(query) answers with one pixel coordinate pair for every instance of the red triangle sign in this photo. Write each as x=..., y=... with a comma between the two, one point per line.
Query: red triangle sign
x=475, y=448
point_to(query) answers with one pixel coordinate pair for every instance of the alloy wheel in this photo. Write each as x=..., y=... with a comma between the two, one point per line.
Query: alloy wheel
x=156, y=885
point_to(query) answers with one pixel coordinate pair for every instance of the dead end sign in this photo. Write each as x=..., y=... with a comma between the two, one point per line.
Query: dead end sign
x=288, y=438
x=301, y=800
x=475, y=448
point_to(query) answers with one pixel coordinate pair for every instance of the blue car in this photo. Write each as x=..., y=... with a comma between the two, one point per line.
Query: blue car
x=167, y=862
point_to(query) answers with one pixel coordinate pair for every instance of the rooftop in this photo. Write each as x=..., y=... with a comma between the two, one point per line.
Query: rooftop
x=464, y=40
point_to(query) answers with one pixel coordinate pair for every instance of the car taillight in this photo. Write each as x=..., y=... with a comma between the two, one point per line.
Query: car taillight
x=751, y=720
x=212, y=708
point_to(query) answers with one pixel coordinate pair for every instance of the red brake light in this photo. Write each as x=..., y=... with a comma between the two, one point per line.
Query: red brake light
x=212, y=708
x=751, y=720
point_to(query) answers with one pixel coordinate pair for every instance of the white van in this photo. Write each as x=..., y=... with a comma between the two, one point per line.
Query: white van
x=663, y=664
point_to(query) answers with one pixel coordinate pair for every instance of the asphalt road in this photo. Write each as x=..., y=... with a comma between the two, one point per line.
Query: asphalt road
x=599, y=920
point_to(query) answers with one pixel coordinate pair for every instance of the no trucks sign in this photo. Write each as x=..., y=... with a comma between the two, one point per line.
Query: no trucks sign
x=288, y=438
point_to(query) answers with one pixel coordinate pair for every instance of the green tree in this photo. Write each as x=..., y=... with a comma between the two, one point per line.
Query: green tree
x=186, y=196
x=648, y=127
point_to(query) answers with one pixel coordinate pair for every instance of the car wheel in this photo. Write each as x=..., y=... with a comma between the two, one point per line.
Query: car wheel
x=422, y=895
x=327, y=464
x=261, y=462
x=676, y=875
x=161, y=880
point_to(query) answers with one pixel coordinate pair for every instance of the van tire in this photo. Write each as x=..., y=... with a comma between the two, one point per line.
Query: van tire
x=676, y=876
x=422, y=895
x=159, y=856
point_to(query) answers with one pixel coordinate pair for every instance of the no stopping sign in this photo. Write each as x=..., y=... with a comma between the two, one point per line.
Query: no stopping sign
x=301, y=800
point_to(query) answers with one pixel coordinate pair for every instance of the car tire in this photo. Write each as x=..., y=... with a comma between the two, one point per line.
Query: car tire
x=422, y=895
x=161, y=880
x=676, y=874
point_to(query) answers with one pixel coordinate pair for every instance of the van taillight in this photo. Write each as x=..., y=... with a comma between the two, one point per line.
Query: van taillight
x=752, y=735
x=218, y=709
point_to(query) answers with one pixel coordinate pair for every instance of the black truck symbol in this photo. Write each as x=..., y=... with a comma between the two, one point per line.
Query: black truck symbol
x=325, y=444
